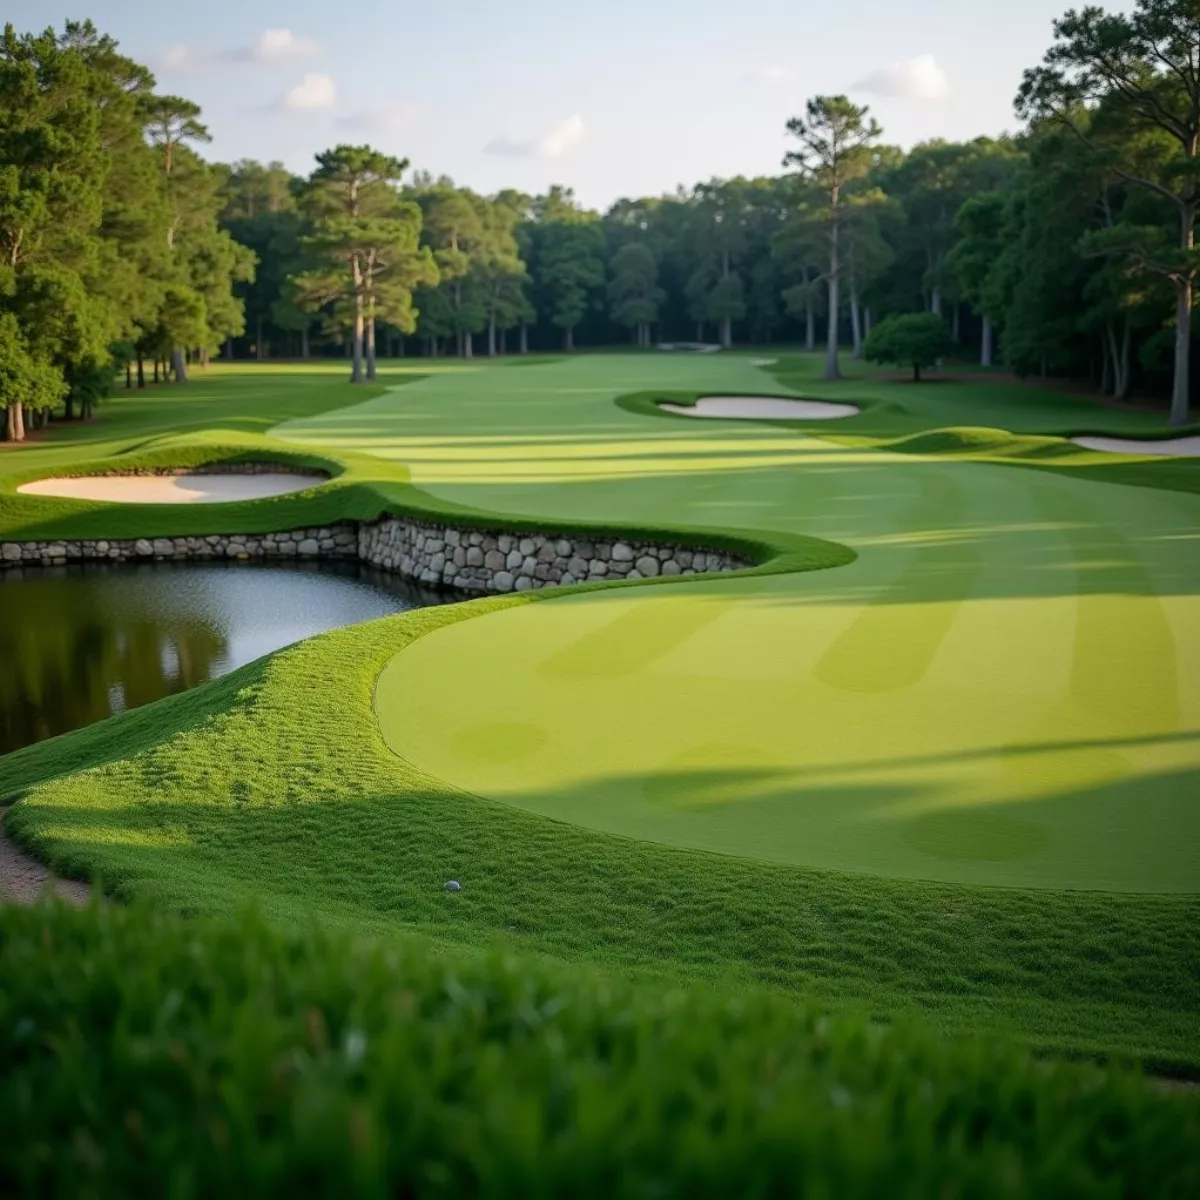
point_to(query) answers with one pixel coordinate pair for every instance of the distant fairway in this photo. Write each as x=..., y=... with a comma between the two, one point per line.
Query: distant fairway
x=1003, y=689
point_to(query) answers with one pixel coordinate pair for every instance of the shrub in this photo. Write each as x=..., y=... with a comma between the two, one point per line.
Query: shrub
x=911, y=339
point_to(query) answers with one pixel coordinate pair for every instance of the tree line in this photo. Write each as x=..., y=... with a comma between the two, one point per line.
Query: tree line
x=1066, y=251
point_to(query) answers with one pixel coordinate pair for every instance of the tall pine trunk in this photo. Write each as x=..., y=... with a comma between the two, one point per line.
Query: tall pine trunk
x=1121, y=366
x=179, y=365
x=524, y=347
x=987, y=349
x=356, y=274
x=370, y=345
x=856, y=332
x=229, y=348
x=1183, y=348
x=356, y=345
x=832, y=370
x=492, y=335
x=569, y=339
x=726, y=322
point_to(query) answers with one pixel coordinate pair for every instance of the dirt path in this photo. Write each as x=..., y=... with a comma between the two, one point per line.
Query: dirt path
x=23, y=878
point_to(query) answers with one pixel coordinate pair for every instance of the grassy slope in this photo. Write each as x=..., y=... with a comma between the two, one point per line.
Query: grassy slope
x=254, y=786
x=139, y=1056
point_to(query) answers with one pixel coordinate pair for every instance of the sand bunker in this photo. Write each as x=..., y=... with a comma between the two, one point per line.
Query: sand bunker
x=763, y=362
x=172, y=489
x=1181, y=447
x=763, y=408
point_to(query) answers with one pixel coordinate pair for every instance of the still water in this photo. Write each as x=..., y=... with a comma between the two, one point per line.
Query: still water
x=79, y=643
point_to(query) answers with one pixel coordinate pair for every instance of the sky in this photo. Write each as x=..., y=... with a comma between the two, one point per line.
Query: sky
x=613, y=98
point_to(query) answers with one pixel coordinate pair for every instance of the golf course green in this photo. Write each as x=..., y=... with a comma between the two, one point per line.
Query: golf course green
x=1003, y=688
x=935, y=752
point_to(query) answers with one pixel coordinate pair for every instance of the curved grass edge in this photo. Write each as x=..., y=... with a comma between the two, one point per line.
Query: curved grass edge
x=359, y=488
x=982, y=443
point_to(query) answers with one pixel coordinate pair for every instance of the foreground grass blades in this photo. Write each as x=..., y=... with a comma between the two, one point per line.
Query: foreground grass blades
x=222, y=1056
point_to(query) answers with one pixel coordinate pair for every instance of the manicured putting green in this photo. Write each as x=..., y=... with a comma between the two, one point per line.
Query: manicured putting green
x=1003, y=689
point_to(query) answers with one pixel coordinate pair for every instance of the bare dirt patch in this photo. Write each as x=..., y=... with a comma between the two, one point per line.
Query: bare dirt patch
x=23, y=879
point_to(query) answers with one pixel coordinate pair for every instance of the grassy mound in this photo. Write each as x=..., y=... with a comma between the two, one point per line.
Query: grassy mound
x=142, y=1054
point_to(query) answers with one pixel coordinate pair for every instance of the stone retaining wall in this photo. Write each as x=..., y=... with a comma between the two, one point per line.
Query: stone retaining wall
x=475, y=560
x=442, y=555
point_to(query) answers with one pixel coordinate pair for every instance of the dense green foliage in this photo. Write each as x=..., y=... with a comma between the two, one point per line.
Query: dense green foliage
x=139, y=1053
x=108, y=224
x=1127, y=86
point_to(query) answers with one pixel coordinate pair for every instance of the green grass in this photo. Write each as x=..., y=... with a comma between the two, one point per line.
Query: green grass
x=224, y=1057
x=1011, y=642
x=865, y=746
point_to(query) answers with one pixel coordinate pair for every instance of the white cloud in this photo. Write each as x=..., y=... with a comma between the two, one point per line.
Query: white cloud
x=177, y=58
x=771, y=75
x=564, y=135
x=384, y=118
x=313, y=91
x=919, y=78
x=271, y=47
x=276, y=46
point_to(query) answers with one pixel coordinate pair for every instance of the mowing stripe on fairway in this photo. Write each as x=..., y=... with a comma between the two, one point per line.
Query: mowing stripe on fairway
x=993, y=693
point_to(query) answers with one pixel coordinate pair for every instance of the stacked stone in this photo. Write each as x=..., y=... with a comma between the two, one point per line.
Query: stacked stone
x=334, y=541
x=487, y=561
x=469, y=560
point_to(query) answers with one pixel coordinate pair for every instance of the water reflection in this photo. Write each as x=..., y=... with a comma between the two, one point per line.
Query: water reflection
x=81, y=642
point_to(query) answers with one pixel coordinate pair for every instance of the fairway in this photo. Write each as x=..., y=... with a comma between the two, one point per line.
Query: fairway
x=1003, y=688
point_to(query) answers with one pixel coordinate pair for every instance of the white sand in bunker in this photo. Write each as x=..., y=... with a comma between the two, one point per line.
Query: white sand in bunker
x=763, y=408
x=1188, y=447
x=172, y=489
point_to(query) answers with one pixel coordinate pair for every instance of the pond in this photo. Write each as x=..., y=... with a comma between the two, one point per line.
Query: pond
x=81, y=642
